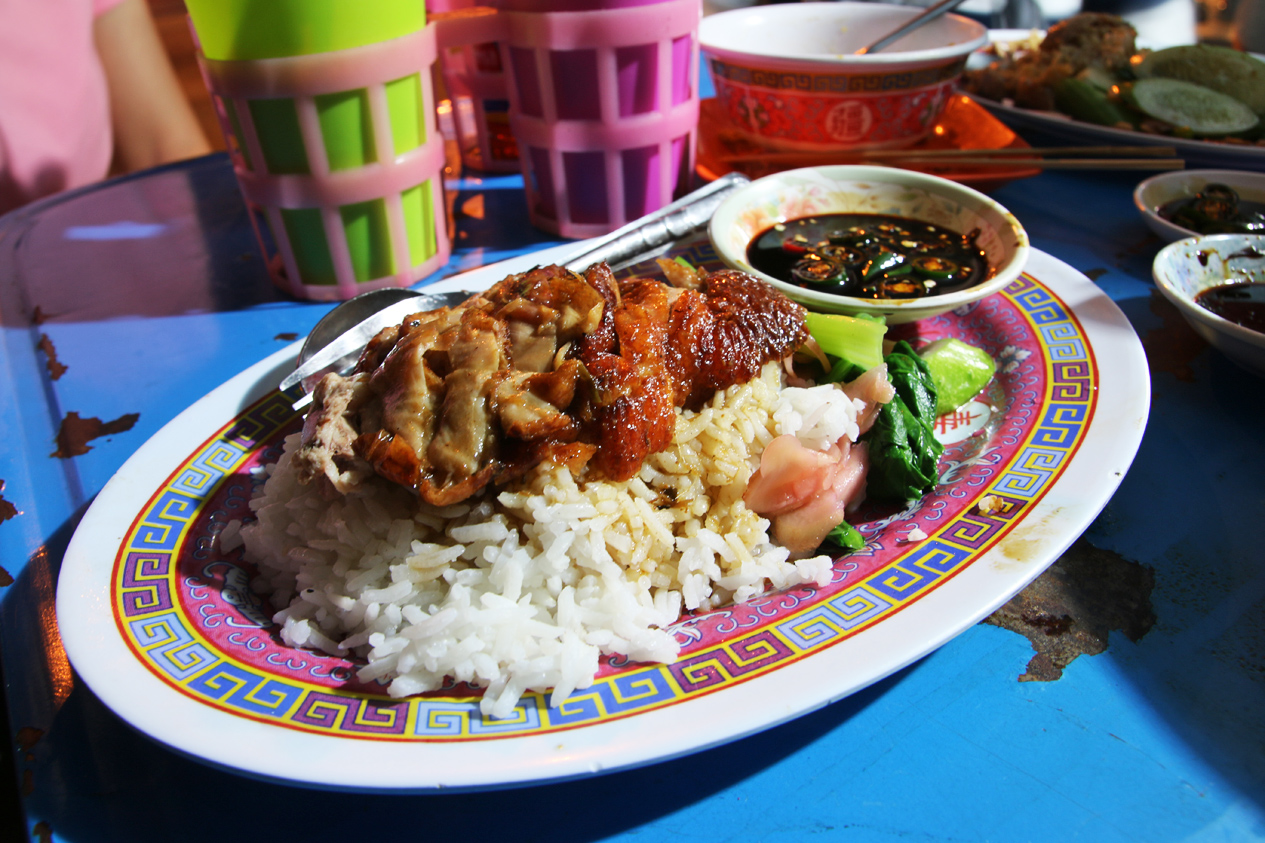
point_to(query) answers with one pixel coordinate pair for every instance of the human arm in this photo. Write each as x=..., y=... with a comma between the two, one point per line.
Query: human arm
x=152, y=120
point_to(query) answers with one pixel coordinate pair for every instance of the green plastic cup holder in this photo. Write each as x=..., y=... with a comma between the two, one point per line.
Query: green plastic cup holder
x=266, y=29
x=367, y=231
x=347, y=128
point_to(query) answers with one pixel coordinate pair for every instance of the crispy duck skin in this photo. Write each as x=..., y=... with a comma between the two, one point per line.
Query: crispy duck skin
x=726, y=333
x=547, y=365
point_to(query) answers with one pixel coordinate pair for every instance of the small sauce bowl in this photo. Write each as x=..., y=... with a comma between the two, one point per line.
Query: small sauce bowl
x=1157, y=191
x=847, y=189
x=1184, y=269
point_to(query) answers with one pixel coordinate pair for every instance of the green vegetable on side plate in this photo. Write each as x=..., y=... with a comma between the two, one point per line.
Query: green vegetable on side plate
x=1186, y=106
x=1085, y=101
x=904, y=453
x=855, y=339
x=1197, y=91
x=846, y=536
x=1224, y=70
x=959, y=370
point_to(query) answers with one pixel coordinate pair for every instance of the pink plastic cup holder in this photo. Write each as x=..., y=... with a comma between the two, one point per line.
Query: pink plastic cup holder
x=475, y=77
x=603, y=104
x=340, y=162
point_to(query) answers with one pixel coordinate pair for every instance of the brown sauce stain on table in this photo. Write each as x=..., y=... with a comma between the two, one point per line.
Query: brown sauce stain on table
x=56, y=368
x=28, y=737
x=287, y=336
x=1073, y=606
x=7, y=509
x=1174, y=345
x=76, y=432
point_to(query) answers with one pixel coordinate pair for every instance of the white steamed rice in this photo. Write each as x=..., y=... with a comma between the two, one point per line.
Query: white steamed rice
x=526, y=590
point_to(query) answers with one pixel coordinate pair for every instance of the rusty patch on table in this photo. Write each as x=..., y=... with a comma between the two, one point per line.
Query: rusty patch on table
x=28, y=737
x=76, y=432
x=56, y=368
x=1174, y=345
x=7, y=509
x=1072, y=607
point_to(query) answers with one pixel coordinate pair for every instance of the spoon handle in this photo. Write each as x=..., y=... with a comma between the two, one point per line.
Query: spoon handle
x=667, y=225
x=930, y=14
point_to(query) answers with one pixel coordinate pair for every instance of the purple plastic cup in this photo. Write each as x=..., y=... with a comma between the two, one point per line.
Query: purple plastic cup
x=603, y=103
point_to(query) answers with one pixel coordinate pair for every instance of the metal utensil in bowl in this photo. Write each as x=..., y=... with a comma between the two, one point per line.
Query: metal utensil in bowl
x=931, y=13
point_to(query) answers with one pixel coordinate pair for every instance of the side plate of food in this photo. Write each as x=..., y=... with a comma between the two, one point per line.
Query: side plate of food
x=1086, y=81
x=165, y=618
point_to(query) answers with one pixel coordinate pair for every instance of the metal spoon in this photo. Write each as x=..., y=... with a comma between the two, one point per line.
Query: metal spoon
x=927, y=16
x=358, y=308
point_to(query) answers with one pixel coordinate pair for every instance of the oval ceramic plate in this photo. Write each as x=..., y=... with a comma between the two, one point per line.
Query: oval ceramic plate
x=1196, y=153
x=164, y=628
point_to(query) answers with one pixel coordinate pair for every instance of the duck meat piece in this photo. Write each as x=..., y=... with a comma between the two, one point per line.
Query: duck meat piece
x=725, y=334
x=533, y=405
x=329, y=435
x=464, y=444
x=634, y=408
x=547, y=365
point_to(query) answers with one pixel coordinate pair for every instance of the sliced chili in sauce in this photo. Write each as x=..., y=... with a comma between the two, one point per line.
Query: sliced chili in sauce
x=871, y=256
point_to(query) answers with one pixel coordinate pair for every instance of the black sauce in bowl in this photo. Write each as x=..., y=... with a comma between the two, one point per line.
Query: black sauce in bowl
x=1217, y=209
x=1242, y=304
x=869, y=256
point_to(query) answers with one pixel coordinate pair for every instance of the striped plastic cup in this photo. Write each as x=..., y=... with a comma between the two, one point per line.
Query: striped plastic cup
x=603, y=103
x=328, y=110
x=475, y=78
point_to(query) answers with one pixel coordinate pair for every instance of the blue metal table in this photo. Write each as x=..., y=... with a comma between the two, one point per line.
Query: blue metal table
x=150, y=291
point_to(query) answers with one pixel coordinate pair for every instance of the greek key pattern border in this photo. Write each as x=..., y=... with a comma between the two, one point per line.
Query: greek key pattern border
x=170, y=645
x=836, y=83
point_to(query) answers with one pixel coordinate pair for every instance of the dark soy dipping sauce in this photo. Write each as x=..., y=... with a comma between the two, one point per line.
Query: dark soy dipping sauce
x=869, y=256
x=1217, y=209
x=1242, y=304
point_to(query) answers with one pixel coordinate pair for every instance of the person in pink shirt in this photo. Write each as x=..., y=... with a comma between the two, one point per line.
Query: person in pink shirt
x=82, y=83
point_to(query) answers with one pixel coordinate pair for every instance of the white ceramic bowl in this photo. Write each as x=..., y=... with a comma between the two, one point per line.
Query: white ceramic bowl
x=1185, y=268
x=786, y=74
x=871, y=190
x=1152, y=194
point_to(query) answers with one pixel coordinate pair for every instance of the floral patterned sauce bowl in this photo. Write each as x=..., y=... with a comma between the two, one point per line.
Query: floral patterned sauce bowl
x=1184, y=269
x=787, y=74
x=843, y=189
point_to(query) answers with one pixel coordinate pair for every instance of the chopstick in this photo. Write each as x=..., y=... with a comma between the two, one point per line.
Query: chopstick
x=1070, y=151
x=1144, y=157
